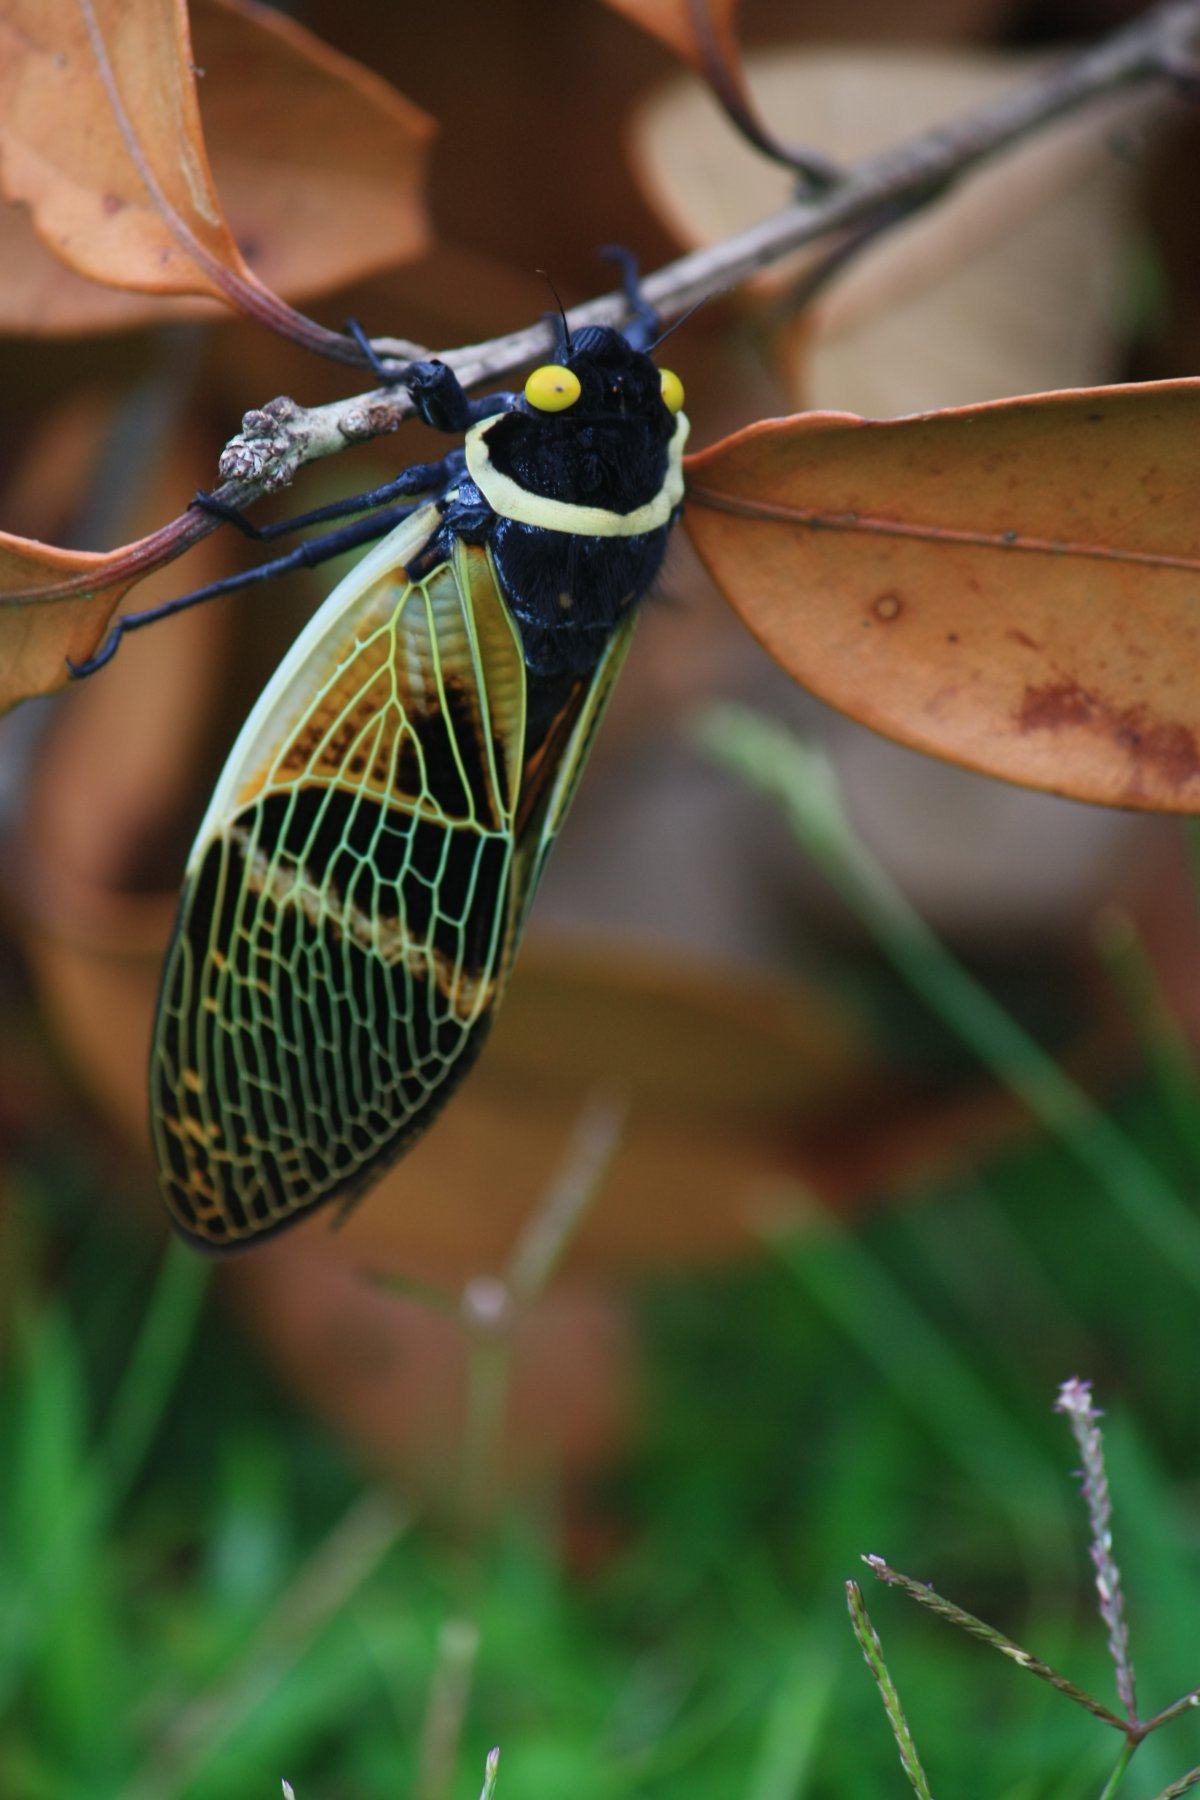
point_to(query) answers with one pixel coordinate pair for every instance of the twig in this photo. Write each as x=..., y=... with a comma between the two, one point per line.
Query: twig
x=1189, y=1702
x=490, y=1308
x=1148, y=50
x=277, y=439
x=594, y=1143
x=445, y=1710
x=492, y=1304
x=987, y=1634
x=1181, y=1786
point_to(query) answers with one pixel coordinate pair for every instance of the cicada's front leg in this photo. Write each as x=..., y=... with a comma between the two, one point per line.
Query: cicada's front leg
x=443, y=402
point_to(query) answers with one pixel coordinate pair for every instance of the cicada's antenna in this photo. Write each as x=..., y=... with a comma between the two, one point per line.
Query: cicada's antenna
x=684, y=317
x=566, y=346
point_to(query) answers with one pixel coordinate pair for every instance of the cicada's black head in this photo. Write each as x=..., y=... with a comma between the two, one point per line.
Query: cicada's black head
x=615, y=380
x=593, y=430
x=582, y=479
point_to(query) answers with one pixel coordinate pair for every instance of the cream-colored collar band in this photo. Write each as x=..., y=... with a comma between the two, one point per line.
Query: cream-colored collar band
x=508, y=498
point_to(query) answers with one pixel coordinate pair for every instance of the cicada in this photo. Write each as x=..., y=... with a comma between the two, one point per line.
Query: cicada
x=355, y=896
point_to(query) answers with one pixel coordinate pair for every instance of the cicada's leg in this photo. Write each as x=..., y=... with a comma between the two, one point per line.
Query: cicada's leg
x=305, y=556
x=440, y=398
x=644, y=326
x=418, y=478
x=389, y=374
x=443, y=402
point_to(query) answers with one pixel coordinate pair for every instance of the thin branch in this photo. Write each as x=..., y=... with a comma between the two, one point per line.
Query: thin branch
x=276, y=440
x=987, y=1634
x=1189, y=1702
x=445, y=1712
x=1149, y=50
x=595, y=1141
x=1112, y=1785
x=1182, y=1786
x=490, y=1308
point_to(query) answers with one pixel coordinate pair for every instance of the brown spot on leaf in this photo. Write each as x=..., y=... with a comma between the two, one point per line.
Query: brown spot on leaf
x=1162, y=749
x=1058, y=704
x=888, y=607
x=1170, y=748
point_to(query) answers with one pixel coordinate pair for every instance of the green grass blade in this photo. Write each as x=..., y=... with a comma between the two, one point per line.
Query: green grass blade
x=166, y=1334
x=933, y=1380
x=772, y=759
x=872, y=1649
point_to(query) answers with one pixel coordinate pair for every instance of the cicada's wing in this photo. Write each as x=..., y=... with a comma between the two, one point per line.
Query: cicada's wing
x=356, y=892
x=351, y=901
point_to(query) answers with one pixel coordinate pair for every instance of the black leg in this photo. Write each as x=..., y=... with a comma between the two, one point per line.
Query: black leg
x=305, y=556
x=443, y=402
x=389, y=374
x=418, y=478
x=643, y=328
x=228, y=515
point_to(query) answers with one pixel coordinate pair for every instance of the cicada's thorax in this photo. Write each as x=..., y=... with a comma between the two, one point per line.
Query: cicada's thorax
x=576, y=505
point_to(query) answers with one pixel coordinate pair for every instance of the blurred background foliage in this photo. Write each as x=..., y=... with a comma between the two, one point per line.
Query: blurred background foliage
x=824, y=1299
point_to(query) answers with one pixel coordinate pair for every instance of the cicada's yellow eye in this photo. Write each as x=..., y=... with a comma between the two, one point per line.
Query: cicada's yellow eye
x=552, y=388
x=672, y=390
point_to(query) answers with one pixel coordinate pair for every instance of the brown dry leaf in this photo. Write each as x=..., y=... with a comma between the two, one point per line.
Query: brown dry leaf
x=704, y=34
x=1014, y=587
x=41, y=296
x=70, y=71
x=319, y=162
x=307, y=203
x=38, y=636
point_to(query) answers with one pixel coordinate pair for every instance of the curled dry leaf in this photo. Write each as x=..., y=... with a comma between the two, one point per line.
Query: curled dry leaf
x=1014, y=587
x=68, y=598
x=320, y=163
x=89, y=91
x=100, y=138
x=704, y=34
